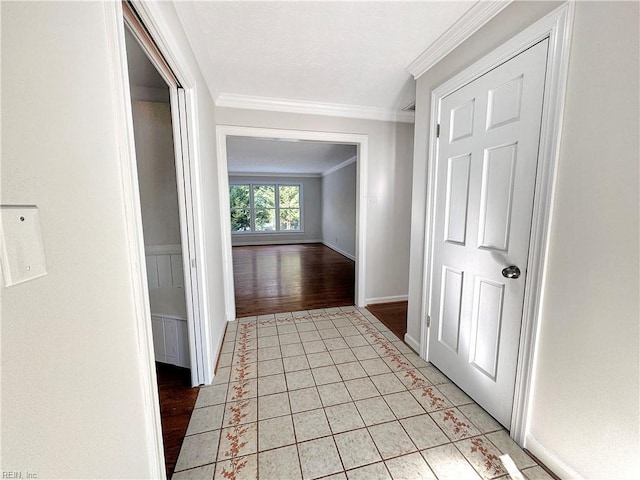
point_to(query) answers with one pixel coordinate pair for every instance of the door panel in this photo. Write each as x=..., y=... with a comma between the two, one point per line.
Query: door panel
x=498, y=170
x=504, y=103
x=457, y=196
x=484, y=186
x=462, y=121
x=485, y=326
x=451, y=304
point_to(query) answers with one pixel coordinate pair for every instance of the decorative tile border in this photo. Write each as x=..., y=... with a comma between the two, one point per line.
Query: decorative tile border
x=235, y=435
x=483, y=456
x=352, y=347
x=454, y=424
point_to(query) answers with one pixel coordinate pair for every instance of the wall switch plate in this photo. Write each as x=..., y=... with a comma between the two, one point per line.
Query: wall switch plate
x=21, y=248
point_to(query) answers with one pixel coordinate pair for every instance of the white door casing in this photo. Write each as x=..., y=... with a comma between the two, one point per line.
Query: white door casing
x=140, y=23
x=362, y=143
x=485, y=181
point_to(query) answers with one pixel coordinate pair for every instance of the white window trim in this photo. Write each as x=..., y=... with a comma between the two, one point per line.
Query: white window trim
x=277, y=231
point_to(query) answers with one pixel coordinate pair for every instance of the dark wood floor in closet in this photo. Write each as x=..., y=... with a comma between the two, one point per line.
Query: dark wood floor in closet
x=288, y=278
x=177, y=400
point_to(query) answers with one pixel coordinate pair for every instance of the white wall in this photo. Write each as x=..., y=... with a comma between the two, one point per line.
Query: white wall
x=586, y=396
x=72, y=402
x=71, y=396
x=339, y=210
x=585, y=401
x=389, y=187
x=311, y=212
x=156, y=173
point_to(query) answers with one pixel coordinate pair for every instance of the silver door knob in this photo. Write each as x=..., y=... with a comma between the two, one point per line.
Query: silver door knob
x=511, y=272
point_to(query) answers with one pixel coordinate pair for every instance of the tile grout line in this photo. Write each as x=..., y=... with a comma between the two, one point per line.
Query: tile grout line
x=293, y=424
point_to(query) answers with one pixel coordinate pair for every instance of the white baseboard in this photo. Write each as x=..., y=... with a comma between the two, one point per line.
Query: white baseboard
x=340, y=251
x=409, y=340
x=550, y=459
x=216, y=355
x=273, y=242
x=393, y=298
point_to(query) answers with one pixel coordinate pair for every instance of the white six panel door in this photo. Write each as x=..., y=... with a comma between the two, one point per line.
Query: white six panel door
x=485, y=181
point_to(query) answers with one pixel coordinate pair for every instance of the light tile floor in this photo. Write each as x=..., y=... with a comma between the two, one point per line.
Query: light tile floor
x=334, y=394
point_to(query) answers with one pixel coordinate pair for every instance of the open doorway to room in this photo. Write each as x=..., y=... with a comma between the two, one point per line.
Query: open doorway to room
x=293, y=223
x=296, y=219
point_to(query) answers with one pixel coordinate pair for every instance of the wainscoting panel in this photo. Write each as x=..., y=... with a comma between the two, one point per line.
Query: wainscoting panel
x=170, y=340
x=164, y=266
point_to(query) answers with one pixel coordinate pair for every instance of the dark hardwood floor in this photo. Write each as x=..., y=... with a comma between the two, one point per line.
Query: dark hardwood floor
x=393, y=315
x=288, y=278
x=177, y=399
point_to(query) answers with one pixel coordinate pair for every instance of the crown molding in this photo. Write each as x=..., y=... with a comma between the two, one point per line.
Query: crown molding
x=335, y=168
x=313, y=108
x=472, y=21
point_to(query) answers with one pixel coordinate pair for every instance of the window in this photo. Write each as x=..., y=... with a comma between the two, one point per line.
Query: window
x=240, y=208
x=261, y=208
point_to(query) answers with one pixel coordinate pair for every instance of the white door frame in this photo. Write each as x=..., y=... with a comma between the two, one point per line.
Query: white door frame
x=360, y=140
x=185, y=131
x=188, y=187
x=557, y=27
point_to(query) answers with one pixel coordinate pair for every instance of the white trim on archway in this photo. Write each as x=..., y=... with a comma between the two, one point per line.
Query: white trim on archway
x=360, y=140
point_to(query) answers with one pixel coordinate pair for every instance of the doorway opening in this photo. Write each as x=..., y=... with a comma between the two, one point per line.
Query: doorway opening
x=155, y=158
x=156, y=166
x=293, y=224
x=164, y=211
x=281, y=203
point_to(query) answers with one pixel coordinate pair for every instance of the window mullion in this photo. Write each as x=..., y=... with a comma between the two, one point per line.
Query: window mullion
x=277, y=199
x=252, y=215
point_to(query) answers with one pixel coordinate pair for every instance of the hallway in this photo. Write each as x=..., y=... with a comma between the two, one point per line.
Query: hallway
x=334, y=394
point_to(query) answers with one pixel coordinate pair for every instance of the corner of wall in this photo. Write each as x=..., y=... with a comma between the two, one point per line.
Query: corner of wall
x=550, y=459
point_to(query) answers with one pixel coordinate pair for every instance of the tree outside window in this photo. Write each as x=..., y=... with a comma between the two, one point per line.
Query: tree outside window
x=240, y=208
x=265, y=208
x=289, y=202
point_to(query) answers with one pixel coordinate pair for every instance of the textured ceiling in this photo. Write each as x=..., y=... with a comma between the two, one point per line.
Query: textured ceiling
x=352, y=53
x=259, y=155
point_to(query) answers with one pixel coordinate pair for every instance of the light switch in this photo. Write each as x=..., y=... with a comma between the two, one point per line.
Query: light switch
x=21, y=248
